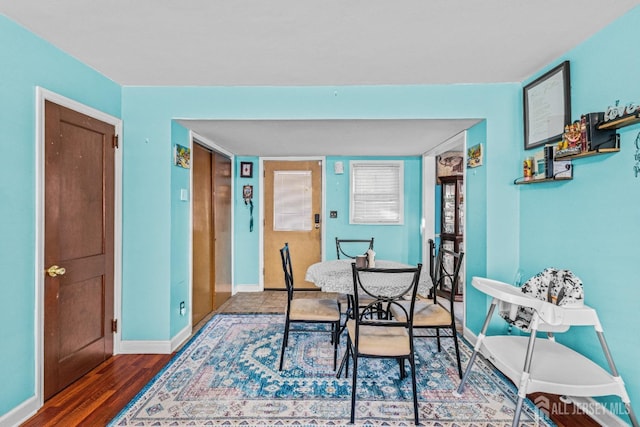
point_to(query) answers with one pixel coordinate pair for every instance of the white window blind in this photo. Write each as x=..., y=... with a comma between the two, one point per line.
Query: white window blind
x=377, y=192
x=292, y=201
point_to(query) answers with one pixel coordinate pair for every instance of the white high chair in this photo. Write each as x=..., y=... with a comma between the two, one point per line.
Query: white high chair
x=554, y=368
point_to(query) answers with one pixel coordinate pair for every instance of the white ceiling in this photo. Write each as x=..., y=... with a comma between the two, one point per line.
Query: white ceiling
x=315, y=42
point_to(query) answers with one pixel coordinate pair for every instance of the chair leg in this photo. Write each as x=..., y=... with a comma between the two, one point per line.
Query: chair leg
x=438, y=335
x=412, y=362
x=455, y=343
x=285, y=340
x=336, y=340
x=403, y=373
x=353, y=387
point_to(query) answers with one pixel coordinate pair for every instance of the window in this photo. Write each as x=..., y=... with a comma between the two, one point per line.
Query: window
x=377, y=192
x=292, y=201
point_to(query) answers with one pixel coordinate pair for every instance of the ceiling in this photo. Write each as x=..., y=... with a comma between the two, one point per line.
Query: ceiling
x=317, y=43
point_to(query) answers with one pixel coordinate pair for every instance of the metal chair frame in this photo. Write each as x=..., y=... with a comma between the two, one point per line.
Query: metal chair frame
x=371, y=315
x=335, y=325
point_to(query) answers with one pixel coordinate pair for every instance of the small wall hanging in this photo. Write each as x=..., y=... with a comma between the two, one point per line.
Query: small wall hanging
x=182, y=156
x=474, y=156
x=246, y=169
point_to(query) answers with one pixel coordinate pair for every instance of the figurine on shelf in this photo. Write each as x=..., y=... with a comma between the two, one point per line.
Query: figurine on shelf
x=571, y=140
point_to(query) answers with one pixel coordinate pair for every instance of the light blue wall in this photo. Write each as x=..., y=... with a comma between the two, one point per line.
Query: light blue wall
x=591, y=224
x=247, y=243
x=148, y=113
x=180, y=238
x=26, y=62
x=395, y=242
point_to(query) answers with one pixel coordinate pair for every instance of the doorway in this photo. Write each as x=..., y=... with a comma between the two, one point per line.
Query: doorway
x=79, y=205
x=431, y=217
x=292, y=214
x=211, y=230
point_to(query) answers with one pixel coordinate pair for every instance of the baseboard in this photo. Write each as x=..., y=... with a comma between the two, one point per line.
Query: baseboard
x=181, y=338
x=20, y=413
x=469, y=336
x=248, y=288
x=598, y=412
x=145, y=347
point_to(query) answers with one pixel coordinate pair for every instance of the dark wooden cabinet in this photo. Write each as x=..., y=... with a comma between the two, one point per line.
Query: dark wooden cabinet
x=452, y=218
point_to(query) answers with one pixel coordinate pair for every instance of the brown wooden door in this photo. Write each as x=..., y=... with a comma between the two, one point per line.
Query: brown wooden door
x=305, y=240
x=222, y=227
x=203, y=234
x=79, y=221
x=211, y=231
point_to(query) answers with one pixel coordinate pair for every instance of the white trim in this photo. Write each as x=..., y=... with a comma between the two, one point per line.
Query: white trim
x=20, y=413
x=250, y=287
x=452, y=143
x=145, y=347
x=428, y=223
x=261, y=161
x=180, y=338
x=43, y=95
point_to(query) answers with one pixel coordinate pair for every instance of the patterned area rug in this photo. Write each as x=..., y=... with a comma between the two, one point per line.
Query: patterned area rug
x=228, y=375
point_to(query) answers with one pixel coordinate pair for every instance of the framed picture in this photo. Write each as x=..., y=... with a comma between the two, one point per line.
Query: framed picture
x=246, y=169
x=474, y=156
x=182, y=156
x=547, y=107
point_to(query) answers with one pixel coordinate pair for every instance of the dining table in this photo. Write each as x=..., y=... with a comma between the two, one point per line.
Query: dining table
x=336, y=276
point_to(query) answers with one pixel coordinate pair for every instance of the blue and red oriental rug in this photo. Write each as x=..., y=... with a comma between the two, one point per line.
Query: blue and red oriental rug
x=227, y=375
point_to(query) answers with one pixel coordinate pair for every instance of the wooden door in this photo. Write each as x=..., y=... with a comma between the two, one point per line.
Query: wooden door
x=203, y=234
x=222, y=228
x=301, y=232
x=211, y=231
x=79, y=245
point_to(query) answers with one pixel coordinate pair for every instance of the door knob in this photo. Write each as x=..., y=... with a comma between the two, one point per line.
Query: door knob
x=54, y=271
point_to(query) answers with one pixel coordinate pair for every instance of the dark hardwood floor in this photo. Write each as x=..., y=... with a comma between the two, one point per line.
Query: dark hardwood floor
x=99, y=396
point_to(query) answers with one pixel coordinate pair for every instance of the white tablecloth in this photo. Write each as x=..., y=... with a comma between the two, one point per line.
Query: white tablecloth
x=336, y=276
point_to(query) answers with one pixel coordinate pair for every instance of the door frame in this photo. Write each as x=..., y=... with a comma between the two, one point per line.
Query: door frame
x=428, y=227
x=193, y=136
x=43, y=95
x=323, y=229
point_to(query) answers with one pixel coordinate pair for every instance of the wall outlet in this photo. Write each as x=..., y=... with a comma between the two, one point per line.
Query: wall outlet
x=333, y=214
x=183, y=310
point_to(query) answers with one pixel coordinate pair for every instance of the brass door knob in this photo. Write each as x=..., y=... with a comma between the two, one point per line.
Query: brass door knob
x=54, y=271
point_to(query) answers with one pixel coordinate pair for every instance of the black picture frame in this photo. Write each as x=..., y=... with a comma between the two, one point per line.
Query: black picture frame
x=547, y=107
x=246, y=169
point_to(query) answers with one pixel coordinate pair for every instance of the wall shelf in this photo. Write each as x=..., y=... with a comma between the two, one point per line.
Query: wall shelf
x=537, y=181
x=589, y=153
x=621, y=122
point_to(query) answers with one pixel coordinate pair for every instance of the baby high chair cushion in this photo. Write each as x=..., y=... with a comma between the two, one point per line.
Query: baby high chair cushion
x=559, y=287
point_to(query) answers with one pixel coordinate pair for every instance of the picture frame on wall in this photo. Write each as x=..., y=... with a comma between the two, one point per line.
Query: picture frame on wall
x=547, y=107
x=246, y=169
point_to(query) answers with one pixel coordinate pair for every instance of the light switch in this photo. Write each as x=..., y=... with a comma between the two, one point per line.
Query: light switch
x=184, y=194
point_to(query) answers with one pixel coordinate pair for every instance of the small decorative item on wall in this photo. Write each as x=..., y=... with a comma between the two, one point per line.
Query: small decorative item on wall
x=547, y=107
x=636, y=167
x=474, y=156
x=450, y=163
x=246, y=169
x=182, y=156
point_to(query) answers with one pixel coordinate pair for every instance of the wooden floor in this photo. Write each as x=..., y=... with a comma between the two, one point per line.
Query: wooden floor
x=99, y=396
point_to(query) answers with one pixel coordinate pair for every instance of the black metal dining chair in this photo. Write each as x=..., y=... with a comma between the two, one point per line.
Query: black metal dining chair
x=307, y=310
x=429, y=313
x=354, y=248
x=351, y=245
x=373, y=334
